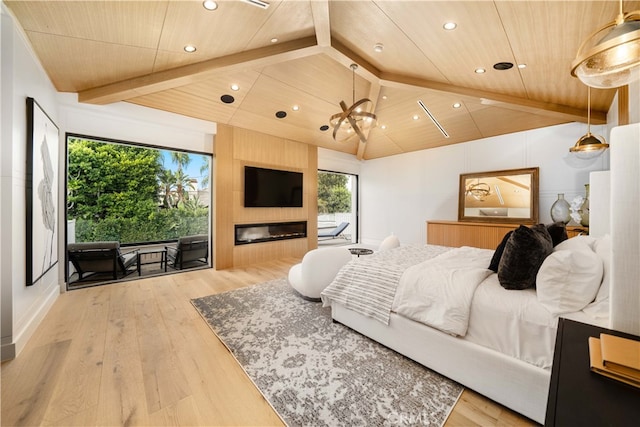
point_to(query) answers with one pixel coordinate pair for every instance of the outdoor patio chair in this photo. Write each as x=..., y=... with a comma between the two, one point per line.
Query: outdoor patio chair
x=91, y=258
x=335, y=233
x=189, y=250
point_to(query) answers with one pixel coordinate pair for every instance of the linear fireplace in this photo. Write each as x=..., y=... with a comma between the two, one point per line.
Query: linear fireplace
x=256, y=233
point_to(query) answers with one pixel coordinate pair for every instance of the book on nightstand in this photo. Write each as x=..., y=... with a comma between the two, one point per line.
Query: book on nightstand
x=597, y=365
x=621, y=354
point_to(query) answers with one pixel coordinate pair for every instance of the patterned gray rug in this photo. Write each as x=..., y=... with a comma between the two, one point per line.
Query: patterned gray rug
x=315, y=372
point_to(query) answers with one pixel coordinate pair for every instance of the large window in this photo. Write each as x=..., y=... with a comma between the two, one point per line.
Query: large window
x=337, y=203
x=135, y=194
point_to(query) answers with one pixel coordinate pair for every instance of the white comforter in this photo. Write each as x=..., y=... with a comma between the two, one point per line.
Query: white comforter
x=439, y=291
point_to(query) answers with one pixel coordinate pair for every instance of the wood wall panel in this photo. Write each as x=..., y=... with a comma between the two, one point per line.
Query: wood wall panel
x=477, y=234
x=223, y=158
x=240, y=147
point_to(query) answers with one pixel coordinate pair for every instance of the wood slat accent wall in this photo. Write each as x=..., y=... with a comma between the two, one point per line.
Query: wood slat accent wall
x=236, y=147
x=477, y=234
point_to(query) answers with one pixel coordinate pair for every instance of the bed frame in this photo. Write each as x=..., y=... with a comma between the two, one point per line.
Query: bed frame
x=509, y=381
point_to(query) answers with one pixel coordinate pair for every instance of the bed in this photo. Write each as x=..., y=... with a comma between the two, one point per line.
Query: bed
x=496, y=341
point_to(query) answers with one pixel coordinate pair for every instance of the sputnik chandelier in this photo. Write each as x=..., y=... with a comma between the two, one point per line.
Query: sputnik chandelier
x=354, y=120
x=479, y=190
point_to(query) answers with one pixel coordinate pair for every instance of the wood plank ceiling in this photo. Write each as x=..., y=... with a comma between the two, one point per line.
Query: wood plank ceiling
x=299, y=53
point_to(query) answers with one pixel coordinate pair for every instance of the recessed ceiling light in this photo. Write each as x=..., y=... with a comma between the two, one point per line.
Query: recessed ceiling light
x=384, y=96
x=378, y=47
x=189, y=48
x=449, y=25
x=522, y=65
x=274, y=40
x=235, y=87
x=281, y=114
x=295, y=107
x=480, y=71
x=416, y=117
x=457, y=105
x=383, y=127
x=210, y=5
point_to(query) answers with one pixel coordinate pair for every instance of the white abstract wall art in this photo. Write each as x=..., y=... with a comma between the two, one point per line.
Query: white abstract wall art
x=41, y=192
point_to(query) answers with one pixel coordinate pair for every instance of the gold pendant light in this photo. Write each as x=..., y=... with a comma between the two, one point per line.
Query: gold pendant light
x=353, y=120
x=589, y=145
x=613, y=59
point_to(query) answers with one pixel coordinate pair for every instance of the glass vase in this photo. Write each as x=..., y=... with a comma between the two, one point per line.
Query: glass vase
x=561, y=210
x=584, y=209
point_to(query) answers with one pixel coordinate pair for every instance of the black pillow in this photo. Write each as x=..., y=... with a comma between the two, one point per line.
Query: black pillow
x=523, y=255
x=495, y=260
x=558, y=232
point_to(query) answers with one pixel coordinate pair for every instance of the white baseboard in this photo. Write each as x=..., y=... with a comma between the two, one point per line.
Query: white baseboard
x=20, y=338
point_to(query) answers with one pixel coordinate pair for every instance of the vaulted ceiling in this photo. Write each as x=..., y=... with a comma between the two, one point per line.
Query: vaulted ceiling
x=298, y=53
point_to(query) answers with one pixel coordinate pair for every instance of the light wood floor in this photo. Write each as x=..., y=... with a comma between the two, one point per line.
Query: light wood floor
x=138, y=353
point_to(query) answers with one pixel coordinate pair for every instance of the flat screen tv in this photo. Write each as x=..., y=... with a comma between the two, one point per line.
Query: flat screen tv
x=272, y=188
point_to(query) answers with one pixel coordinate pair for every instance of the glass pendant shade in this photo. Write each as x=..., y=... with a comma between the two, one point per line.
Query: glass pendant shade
x=613, y=60
x=589, y=146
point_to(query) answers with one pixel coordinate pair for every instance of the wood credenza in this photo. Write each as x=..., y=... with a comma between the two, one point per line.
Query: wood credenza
x=477, y=234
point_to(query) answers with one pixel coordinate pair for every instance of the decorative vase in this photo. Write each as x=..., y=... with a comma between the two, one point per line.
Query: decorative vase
x=561, y=210
x=584, y=209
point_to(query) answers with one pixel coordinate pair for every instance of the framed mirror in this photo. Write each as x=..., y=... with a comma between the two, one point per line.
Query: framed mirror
x=509, y=196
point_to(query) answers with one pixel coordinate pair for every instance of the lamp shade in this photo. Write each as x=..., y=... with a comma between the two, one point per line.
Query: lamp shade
x=614, y=60
x=589, y=146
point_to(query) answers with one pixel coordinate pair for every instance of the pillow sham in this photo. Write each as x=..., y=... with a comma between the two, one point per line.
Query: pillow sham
x=569, y=280
x=599, y=308
x=580, y=242
x=558, y=232
x=523, y=255
x=495, y=259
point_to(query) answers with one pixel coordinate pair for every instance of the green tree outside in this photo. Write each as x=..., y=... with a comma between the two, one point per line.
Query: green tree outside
x=333, y=194
x=124, y=193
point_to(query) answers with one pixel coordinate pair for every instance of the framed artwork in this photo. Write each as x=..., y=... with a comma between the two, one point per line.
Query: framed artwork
x=41, y=192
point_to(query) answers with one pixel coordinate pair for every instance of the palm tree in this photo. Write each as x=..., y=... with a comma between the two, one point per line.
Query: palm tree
x=167, y=181
x=182, y=181
x=181, y=159
x=204, y=171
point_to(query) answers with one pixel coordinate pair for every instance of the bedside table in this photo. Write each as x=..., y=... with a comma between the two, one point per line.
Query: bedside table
x=579, y=397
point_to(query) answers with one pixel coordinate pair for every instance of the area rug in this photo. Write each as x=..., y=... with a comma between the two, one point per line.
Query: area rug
x=316, y=372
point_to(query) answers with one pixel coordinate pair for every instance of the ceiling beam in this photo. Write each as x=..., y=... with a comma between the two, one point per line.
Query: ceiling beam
x=192, y=73
x=321, y=22
x=547, y=109
x=374, y=92
x=346, y=57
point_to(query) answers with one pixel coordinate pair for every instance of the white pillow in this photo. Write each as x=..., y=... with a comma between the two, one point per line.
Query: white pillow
x=576, y=243
x=600, y=307
x=568, y=280
x=389, y=242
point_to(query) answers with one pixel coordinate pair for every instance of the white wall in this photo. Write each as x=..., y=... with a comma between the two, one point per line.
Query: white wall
x=133, y=123
x=22, y=307
x=400, y=193
x=22, y=76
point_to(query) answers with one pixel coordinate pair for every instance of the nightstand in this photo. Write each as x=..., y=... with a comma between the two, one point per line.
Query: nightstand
x=579, y=397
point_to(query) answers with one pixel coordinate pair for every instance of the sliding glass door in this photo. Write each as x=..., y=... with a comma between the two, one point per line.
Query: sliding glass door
x=337, y=208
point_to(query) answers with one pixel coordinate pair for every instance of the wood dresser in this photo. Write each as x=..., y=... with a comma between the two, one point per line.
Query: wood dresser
x=477, y=234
